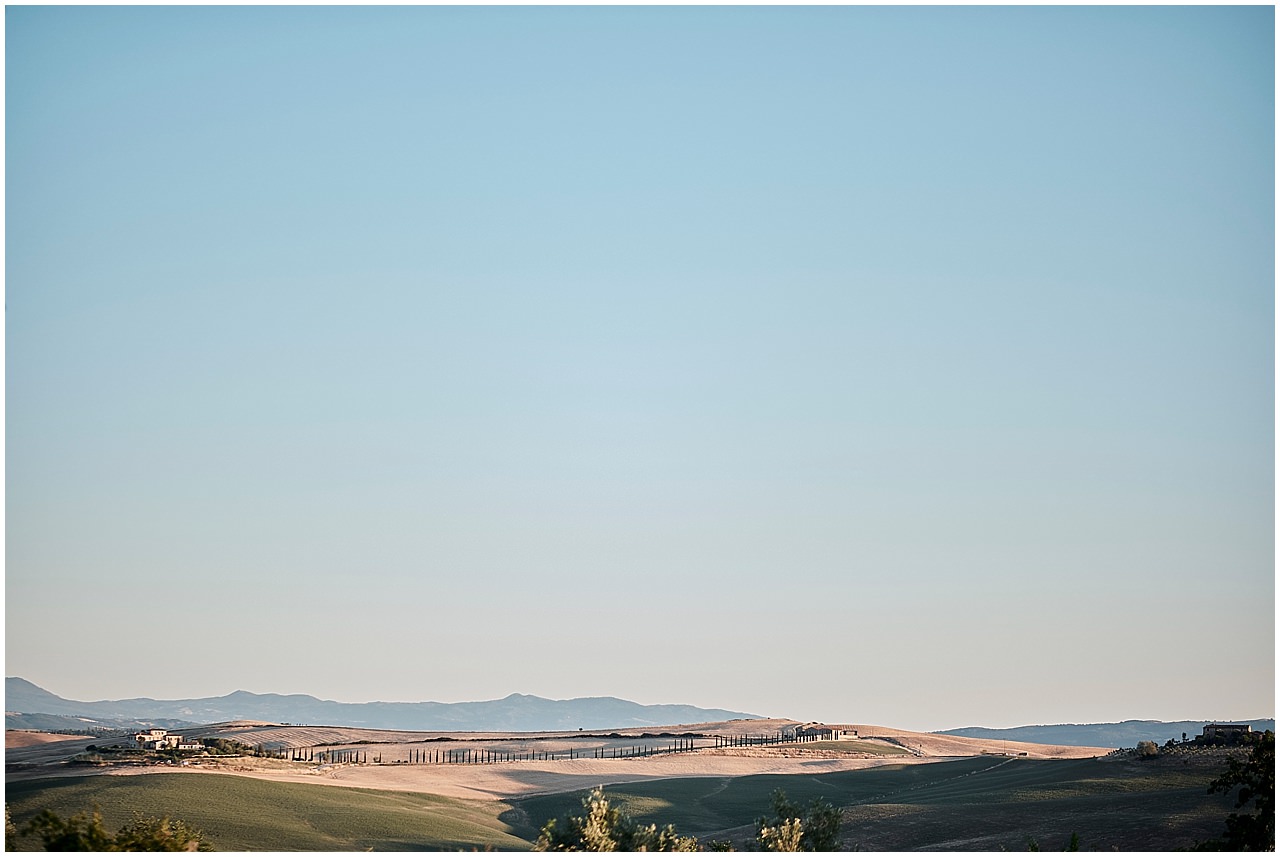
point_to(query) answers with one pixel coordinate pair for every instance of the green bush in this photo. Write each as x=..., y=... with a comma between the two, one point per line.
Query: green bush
x=816, y=828
x=226, y=747
x=1255, y=776
x=86, y=833
x=1148, y=749
x=606, y=828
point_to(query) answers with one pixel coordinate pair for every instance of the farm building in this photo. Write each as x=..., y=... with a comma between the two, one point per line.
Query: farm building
x=160, y=739
x=822, y=732
x=1229, y=731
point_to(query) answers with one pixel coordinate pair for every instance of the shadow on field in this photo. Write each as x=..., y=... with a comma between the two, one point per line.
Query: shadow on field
x=977, y=804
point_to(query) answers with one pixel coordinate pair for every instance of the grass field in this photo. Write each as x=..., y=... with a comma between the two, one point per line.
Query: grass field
x=242, y=814
x=980, y=803
x=703, y=805
x=986, y=804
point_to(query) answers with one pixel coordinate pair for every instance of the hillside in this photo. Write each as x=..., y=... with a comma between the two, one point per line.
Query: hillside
x=981, y=804
x=975, y=804
x=515, y=713
x=1125, y=734
x=548, y=762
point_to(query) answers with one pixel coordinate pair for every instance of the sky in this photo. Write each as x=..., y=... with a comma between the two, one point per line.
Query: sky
x=906, y=366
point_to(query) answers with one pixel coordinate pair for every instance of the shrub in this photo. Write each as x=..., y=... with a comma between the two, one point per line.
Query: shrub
x=816, y=828
x=784, y=836
x=86, y=833
x=158, y=834
x=226, y=746
x=606, y=828
x=1255, y=776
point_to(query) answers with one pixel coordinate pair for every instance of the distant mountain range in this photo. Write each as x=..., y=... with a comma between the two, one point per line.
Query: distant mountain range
x=516, y=713
x=28, y=706
x=1126, y=734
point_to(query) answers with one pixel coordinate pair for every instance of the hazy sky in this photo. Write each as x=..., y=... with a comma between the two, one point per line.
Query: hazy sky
x=909, y=366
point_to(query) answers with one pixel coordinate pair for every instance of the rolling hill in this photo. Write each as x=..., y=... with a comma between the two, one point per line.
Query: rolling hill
x=1125, y=734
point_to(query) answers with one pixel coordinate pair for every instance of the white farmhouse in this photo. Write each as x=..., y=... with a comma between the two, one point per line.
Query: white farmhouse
x=160, y=739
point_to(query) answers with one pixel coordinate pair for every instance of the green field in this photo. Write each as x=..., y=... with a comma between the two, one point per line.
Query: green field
x=243, y=814
x=984, y=803
x=971, y=804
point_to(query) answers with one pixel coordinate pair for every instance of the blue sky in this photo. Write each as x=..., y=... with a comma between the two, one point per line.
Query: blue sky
x=894, y=365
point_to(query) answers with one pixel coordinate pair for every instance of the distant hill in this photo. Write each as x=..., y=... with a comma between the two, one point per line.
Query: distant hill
x=1126, y=734
x=67, y=723
x=516, y=713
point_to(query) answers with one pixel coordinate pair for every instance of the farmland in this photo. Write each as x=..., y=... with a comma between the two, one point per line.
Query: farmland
x=244, y=814
x=898, y=790
x=984, y=804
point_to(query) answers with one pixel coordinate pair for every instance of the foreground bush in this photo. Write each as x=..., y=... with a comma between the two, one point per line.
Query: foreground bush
x=606, y=828
x=1256, y=779
x=86, y=833
x=791, y=828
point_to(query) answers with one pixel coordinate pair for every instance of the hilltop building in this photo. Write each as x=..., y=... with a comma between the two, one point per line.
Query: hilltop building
x=1228, y=731
x=822, y=732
